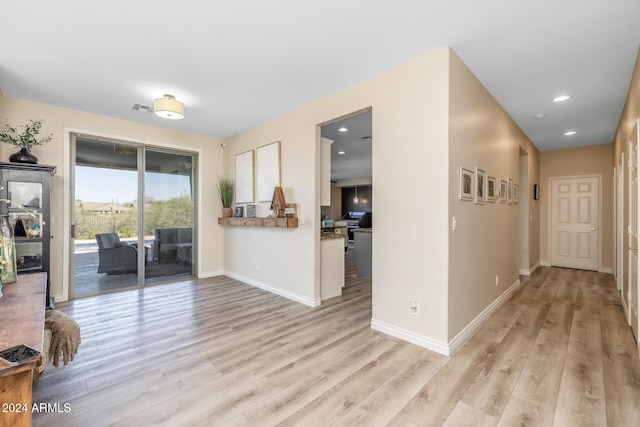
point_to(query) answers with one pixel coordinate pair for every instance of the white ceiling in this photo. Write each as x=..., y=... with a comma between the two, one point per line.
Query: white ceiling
x=237, y=64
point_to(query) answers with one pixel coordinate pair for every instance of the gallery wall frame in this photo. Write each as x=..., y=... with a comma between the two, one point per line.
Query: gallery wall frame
x=503, y=191
x=268, y=173
x=466, y=184
x=516, y=193
x=509, y=191
x=245, y=166
x=480, y=186
x=492, y=189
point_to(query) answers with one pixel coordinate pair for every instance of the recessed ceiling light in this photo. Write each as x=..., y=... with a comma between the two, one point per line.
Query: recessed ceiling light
x=569, y=133
x=343, y=129
x=561, y=98
x=341, y=152
x=539, y=116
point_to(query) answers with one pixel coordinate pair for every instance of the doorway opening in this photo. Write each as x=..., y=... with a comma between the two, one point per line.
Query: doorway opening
x=133, y=215
x=347, y=204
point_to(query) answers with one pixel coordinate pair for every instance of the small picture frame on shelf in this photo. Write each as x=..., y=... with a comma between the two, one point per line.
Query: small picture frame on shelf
x=251, y=211
x=238, y=212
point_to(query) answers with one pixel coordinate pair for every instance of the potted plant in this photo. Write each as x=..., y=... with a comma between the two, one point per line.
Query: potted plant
x=25, y=140
x=225, y=190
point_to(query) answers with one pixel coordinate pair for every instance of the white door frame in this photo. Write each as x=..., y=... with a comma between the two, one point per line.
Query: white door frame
x=620, y=170
x=549, y=213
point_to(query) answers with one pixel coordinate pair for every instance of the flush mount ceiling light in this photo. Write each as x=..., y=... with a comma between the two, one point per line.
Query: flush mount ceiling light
x=168, y=108
x=561, y=98
x=341, y=152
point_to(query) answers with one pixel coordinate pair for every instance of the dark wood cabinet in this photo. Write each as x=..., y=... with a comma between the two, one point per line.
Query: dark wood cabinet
x=26, y=189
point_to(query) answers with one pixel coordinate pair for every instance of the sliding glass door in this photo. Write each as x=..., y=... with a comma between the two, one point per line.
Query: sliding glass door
x=133, y=217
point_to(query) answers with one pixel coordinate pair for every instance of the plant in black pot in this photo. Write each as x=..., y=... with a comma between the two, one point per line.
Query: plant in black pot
x=24, y=139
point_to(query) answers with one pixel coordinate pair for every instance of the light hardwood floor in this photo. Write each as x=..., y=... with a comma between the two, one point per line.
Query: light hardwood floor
x=219, y=352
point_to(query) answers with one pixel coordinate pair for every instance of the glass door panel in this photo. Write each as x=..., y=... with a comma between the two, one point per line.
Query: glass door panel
x=168, y=215
x=105, y=239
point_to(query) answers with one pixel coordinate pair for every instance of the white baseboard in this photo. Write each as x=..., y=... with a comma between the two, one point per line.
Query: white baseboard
x=311, y=302
x=606, y=270
x=529, y=272
x=412, y=337
x=545, y=264
x=473, y=327
x=208, y=274
x=450, y=348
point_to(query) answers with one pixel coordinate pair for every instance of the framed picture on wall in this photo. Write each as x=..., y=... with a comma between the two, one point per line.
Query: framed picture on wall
x=492, y=189
x=466, y=184
x=480, y=186
x=509, y=191
x=516, y=193
x=503, y=191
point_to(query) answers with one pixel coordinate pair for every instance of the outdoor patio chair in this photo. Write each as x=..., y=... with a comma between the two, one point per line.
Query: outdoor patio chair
x=116, y=257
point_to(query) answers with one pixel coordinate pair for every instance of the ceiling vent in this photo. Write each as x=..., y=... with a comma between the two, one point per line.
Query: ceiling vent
x=142, y=107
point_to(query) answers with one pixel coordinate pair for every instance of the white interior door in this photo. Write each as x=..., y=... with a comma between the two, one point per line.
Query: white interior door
x=575, y=222
x=632, y=295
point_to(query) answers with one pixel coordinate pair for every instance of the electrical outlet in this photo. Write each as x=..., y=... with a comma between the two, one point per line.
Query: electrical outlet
x=415, y=308
x=497, y=280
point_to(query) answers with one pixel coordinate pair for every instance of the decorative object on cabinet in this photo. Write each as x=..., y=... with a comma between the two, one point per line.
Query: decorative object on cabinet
x=268, y=170
x=238, y=212
x=466, y=184
x=225, y=191
x=25, y=140
x=28, y=188
x=251, y=211
x=503, y=191
x=492, y=189
x=8, y=267
x=480, y=186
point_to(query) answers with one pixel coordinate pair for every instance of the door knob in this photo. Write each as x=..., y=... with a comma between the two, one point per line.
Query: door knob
x=591, y=229
x=633, y=249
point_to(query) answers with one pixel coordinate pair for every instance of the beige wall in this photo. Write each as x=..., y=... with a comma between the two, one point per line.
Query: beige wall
x=415, y=158
x=409, y=108
x=630, y=114
x=595, y=159
x=486, y=243
x=58, y=120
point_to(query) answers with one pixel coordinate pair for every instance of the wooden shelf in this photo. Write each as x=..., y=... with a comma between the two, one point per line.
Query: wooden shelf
x=260, y=222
